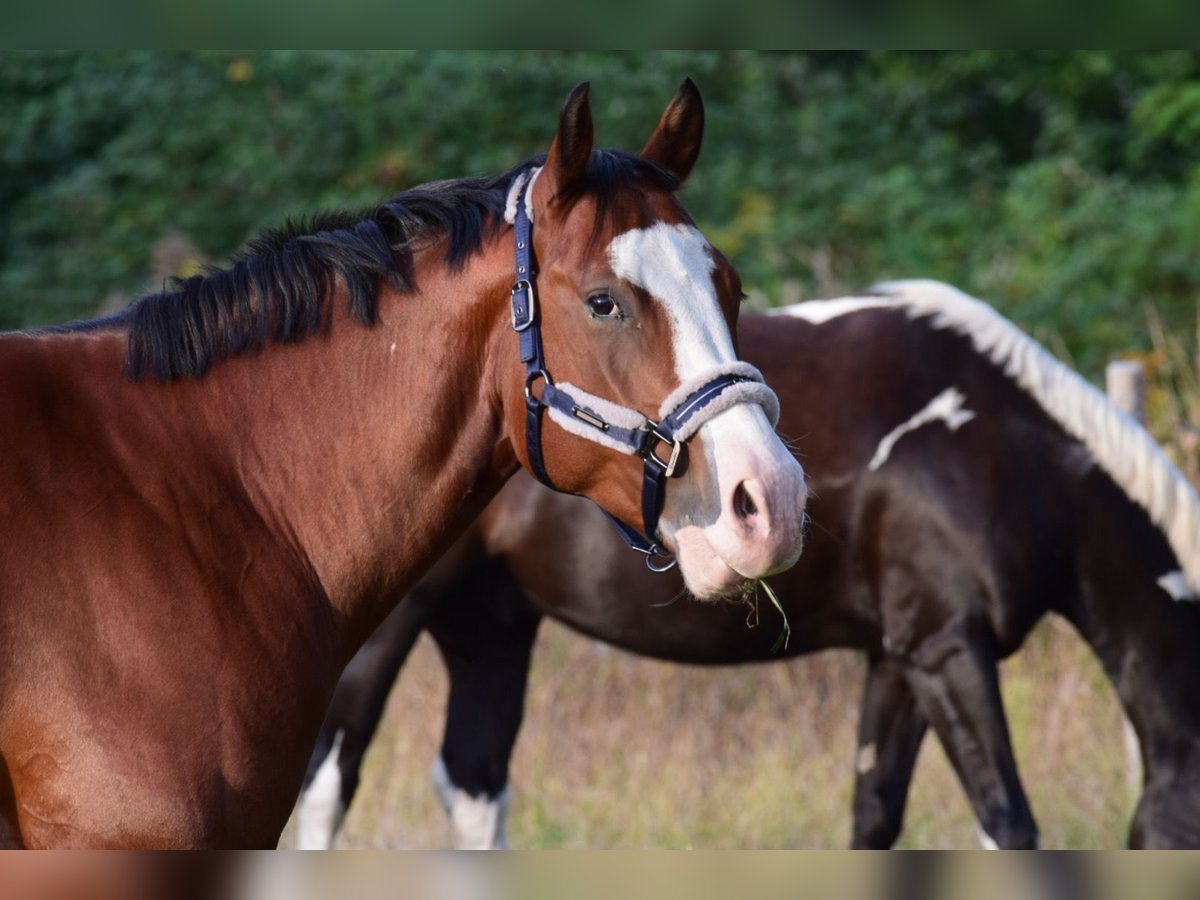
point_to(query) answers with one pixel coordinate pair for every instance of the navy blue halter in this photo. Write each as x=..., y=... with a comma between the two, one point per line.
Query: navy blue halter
x=657, y=444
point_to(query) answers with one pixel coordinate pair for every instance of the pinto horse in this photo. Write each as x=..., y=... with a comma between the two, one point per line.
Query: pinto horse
x=210, y=500
x=964, y=484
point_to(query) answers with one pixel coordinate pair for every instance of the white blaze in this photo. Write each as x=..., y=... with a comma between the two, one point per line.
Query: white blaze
x=674, y=264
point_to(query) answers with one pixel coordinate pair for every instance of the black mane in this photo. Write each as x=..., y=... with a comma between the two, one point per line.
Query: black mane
x=278, y=287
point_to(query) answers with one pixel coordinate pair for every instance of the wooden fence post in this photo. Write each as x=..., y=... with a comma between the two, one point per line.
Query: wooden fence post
x=1126, y=382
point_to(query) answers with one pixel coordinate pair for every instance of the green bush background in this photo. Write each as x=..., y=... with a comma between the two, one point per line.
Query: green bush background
x=1063, y=186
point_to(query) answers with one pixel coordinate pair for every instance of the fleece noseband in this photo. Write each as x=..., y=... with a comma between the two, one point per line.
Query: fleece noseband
x=658, y=444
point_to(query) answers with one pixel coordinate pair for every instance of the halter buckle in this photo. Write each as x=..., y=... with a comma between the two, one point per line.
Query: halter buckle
x=668, y=466
x=522, y=315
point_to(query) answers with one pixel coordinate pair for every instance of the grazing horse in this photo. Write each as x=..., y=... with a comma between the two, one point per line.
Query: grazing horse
x=964, y=483
x=210, y=500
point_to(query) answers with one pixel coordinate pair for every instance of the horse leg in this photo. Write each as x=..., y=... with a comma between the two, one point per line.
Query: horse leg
x=890, y=731
x=1165, y=818
x=354, y=713
x=953, y=675
x=487, y=658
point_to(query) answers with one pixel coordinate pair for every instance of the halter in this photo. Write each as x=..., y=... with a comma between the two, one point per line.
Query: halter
x=658, y=444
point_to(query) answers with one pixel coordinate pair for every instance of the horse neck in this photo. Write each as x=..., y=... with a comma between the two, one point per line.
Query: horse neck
x=367, y=451
x=1147, y=641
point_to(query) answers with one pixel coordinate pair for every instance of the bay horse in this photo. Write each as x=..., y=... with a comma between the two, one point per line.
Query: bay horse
x=964, y=483
x=211, y=499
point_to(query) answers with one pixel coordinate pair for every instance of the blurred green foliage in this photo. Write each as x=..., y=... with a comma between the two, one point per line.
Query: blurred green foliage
x=1063, y=186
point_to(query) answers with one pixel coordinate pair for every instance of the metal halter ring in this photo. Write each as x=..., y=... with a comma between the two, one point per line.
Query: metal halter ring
x=530, y=379
x=656, y=552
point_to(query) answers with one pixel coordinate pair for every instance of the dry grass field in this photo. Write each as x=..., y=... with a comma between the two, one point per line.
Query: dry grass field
x=623, y=752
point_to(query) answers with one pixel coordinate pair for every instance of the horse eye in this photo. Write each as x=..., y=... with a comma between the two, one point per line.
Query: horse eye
x=603, y=306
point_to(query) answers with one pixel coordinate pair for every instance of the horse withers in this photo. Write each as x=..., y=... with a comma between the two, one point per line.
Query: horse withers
x=210, y=500
x=965, y=483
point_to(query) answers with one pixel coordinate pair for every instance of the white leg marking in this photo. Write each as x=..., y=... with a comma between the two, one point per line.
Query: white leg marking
x=945, y=407
x=321, y=808
x=476, y=823
x=864, y=763
x=1175, y=584
x=1133, y=759
x=986, y=840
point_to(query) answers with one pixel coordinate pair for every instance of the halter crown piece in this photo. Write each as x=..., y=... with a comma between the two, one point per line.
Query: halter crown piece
x=658, y=444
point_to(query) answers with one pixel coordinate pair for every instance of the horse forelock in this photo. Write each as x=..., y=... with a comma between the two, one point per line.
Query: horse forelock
x=280, y=287
x=1118, y=444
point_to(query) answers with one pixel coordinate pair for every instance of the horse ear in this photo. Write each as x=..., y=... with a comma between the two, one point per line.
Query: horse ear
x=675, y=144
x=572, y=147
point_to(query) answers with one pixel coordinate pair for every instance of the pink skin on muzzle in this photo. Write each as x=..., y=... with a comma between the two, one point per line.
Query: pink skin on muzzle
x=749, y=524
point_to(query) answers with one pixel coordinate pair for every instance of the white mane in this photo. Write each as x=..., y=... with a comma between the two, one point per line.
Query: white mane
x=1120, y=446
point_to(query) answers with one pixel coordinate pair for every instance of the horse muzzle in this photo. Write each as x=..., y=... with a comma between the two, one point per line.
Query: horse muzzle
x=758, y=496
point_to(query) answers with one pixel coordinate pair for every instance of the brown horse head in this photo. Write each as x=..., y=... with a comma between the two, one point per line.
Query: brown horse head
x=637, y=311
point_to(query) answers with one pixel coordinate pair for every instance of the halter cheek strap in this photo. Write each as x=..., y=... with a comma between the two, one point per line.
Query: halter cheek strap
x=658, y=444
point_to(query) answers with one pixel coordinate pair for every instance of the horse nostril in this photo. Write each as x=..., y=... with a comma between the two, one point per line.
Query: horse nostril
x=743, y=503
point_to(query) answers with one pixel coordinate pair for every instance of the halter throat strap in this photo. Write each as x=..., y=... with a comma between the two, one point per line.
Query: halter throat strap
x=658, y=444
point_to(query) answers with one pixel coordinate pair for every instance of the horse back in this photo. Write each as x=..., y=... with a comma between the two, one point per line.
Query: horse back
x=938, y=465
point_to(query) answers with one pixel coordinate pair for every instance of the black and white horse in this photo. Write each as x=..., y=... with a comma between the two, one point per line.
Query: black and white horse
x=964, y=483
